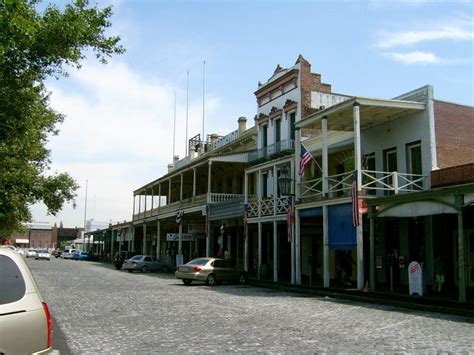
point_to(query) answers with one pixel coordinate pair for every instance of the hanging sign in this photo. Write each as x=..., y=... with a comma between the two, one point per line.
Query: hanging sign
x=196, y=228
x=415, y=278
x=179, y=216
x=174, y=237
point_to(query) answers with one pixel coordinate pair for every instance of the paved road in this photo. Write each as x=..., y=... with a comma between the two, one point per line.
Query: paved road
x=102, y=310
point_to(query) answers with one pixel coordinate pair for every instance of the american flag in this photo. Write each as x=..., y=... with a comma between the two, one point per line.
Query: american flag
x=291, y=220
x=305, y=158
x=355, y=200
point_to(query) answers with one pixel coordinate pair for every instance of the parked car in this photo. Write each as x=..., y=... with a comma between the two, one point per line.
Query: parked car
x=43, y=254
x=25, y=321
x=82, y=255
x=145, y=263
x=67, y=253
x=121, y=256
x=210, y=270
x=14, y=248
x=31, y=253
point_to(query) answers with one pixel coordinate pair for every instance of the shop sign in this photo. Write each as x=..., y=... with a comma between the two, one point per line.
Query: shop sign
x=196, y=228
x=378, y=262
x=174, y=237
x=415, y=278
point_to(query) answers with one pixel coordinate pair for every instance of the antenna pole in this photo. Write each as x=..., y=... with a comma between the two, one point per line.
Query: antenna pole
x=85, y=216
x=203, y=99
x=187, y=114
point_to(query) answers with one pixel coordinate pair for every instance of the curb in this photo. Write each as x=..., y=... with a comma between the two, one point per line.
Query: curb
x=450, y=307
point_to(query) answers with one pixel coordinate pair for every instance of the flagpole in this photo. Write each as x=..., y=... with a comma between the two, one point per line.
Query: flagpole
x=187, y=115
x=203, y=98
x=174, y=126
x=85, y=216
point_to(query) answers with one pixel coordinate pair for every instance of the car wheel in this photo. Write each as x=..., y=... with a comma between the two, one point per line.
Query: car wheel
x=211, y=280
x=187, y=282
x=166, y=269
x=242, y=279
x=130, y=270
x=144, y=269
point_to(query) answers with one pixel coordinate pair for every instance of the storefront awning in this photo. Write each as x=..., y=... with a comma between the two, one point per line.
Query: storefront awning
x=417, y=209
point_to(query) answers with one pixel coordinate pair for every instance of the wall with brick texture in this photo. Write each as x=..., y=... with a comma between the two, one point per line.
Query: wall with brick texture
x=454, y=127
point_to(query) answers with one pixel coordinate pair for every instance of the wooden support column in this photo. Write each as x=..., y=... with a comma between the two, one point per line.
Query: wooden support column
x=144, y=239
x=169, y=192
x=325, y=159
x=194, y=182
x=326, y=278
x=259, y=249
x=296, y=246
x=275, y=190
x=181, y=186
x=372, y=247
x=358, y=166
x=275, y=251
x=158, y=239
x=209, y=181
x=461, y=262
x=246, y=230
x=297, y=162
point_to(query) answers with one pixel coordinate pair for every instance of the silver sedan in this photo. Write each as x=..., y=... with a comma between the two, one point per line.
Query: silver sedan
x=144, y=263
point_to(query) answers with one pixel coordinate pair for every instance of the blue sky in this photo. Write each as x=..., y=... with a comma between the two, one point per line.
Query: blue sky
x=118, y=128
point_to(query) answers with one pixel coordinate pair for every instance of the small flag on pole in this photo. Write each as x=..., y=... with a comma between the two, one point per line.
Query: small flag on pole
x=305, y=158
x=355, y=200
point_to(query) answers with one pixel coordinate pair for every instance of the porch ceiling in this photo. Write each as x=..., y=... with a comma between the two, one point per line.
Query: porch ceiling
x=373, y=112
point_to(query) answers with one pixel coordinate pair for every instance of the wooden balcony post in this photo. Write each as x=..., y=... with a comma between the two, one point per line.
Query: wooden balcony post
x=275, y=190
x=459, y=202
x=324, y=126
x=158, y=239
x=209, y=175
x=194, y=182
x=181, y=176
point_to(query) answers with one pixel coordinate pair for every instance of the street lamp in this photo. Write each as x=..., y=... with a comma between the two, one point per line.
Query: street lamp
x=284, y=182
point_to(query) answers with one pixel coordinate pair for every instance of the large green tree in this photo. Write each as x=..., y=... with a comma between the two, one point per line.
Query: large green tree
x=35, y=45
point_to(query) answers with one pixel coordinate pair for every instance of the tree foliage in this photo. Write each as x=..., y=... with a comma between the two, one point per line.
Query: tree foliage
x=34, y=46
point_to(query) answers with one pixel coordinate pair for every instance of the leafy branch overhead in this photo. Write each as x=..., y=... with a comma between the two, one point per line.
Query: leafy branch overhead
x=36, y=45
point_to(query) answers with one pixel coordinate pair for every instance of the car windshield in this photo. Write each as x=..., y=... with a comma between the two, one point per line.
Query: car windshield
x=137, y=257
x=200, y=261
x=42, y=251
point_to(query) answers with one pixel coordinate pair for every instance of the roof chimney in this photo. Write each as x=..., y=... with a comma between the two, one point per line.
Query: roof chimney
x=170, y=168
x=242, y=124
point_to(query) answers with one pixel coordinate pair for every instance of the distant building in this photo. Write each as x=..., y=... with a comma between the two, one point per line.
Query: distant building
x=37, y=235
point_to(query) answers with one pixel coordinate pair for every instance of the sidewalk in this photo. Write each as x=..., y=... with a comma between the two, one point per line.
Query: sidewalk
x=426, y=303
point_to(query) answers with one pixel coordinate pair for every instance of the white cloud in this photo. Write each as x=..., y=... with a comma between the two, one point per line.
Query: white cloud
x=459, y=29
x=407, y=38
x=415, y=58
x=118, y=134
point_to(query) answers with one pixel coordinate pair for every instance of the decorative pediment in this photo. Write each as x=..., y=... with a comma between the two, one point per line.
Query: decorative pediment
x=290, y=105
x=275, y=112
x=261, y=118
x=278, y=69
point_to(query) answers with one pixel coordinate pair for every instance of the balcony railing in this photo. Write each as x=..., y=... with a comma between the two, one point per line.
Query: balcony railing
x=373, y=183
x=287, y=145
x=216, y=197
x=199, y=200
x=268, y=207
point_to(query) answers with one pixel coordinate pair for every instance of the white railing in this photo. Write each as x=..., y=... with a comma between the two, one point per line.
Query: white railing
x=311, y=188
x=373, y=182
x=268, y=207
x=217, y=197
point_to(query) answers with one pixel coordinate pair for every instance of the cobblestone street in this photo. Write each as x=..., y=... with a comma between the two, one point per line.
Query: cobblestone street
x=102, y=310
